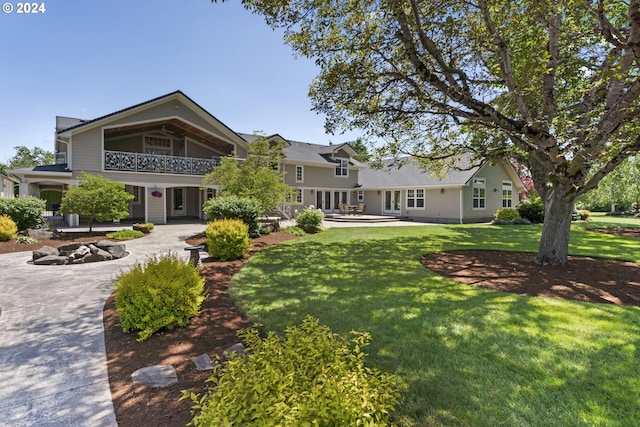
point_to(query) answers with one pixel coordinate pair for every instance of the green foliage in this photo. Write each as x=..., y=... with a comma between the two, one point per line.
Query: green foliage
x=309, y=219
x=532, y=209
x=163, y=293
x=8, y=228
x=227, y=239
x=97, y=198
x=308, y=377
x=521, y=221
x=259, y=176
x=507, y=214
x=25, y=211
x=125, y=234
x=26, y=157
x=26, y=240
x=246, y=209
x=296, y=231
x=583, y=214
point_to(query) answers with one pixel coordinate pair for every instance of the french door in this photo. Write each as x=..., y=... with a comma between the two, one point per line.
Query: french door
x=392, y=202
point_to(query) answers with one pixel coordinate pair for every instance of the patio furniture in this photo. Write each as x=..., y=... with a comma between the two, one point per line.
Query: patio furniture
x=344, y=209
x=359, y=210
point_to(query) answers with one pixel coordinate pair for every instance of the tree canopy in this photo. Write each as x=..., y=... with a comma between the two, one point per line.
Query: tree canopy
x=26, y=157
x=552, y=84
x=97, y=198
x=258, y=177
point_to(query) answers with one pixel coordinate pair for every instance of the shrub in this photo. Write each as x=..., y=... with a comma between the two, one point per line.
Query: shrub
x=532, y=209
x=26, y=212
x=502, y=222
x=26, y=240
x=8, y=228
x=233, y=207
x=125, y=234
x=227, y=239
x=309, y=219
x=296, y=231
x=308, y=377
x=521, y=221
x=583, y=214
x=163, y=293
x=507, y=214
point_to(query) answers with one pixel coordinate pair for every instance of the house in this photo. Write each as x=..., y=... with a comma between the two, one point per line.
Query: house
x=162, y=148
x=7, y=185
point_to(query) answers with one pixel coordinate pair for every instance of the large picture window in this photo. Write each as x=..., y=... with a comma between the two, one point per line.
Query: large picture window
x=415, y=198
x=479, y=193
x=507, y=194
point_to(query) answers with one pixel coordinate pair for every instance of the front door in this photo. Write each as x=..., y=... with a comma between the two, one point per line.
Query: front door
x=392, y=202
x=177, y=202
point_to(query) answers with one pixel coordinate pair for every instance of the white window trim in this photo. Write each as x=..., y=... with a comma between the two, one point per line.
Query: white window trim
x=479, y=183
x=293, y=198
x=361, y=195
x=301, y=168
x=154, y=147
x=341, y=167
x=415, y=199
x=510, y=199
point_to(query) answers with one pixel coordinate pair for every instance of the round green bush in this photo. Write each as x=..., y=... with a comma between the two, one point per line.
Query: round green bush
x=234, y=207
x=227, y=239
x=532, y=209
x=26, y=211
x=507, y=214
x=164, y=292
x=8, y=228
x=309, y=377
x=125, y=234
x=309, y=219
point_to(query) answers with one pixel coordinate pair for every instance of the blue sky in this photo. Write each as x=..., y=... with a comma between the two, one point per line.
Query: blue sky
x=85, y=59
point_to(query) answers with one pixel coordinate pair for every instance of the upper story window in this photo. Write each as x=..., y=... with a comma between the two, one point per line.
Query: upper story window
x=157, y=145
x=479, y=193
x=299, y=173
x=343, y=168
x=415, y=198
x=507, y=194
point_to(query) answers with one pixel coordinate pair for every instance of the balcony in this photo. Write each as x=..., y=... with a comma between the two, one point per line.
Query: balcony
x=154, y=163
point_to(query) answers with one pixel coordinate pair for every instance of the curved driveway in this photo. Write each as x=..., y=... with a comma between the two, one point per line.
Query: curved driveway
x=53, y=368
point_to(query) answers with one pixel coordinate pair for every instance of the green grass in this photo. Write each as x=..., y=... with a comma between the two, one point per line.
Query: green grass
x=471, y=357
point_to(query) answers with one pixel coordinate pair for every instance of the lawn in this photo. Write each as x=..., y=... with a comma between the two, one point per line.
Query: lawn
x=470, y=356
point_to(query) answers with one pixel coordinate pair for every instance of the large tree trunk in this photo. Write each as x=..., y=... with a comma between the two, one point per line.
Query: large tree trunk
x=554, y=242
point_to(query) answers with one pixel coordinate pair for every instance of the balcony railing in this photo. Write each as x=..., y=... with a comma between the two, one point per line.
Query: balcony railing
x=154, y=163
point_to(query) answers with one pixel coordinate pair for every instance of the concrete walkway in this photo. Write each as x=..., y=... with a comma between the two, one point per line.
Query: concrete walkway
x=52, y=355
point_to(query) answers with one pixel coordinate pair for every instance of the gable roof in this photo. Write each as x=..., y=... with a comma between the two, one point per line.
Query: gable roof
x=308, y=153
x=67, y=125
x=410, y=174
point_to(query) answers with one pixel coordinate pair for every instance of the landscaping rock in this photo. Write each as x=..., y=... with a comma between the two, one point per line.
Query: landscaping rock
x=51, y=260
x=204, y=362
x=118, y=250
x=155, y=376
x=97, y=255
x=237, y=348
x=44, y=251
x=38, y=234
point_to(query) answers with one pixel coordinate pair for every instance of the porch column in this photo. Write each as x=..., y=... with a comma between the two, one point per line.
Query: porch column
x=23, y=189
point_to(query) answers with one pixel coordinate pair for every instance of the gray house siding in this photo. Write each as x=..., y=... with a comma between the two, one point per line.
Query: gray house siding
x=493, y=175
x=320, y=177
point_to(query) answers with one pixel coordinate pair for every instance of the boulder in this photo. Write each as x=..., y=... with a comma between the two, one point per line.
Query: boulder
x=70, y=248
x=118, y=250
x=51, y=260
x=44, y=251
x=155, y=376
x=38, y=234
x=97, y=256
x=80, y=252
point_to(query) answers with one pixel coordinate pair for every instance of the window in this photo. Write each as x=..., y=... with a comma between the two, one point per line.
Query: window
x=299, y=174
x=343, y=169
x=157, y=145
x=479, y=193
x=211, y=193
x=296, y=197
x=415, y=198
x=360, y=196
x=507, y=194
x=135, y=190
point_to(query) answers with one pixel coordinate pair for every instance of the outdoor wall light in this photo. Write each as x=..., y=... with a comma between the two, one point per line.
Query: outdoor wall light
x=442, y=191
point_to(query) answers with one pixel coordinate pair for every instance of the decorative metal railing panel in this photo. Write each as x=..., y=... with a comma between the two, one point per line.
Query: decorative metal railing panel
x=155, y=163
